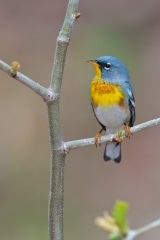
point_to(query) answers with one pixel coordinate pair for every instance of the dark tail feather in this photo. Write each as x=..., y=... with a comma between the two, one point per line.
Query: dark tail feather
x=112, y=152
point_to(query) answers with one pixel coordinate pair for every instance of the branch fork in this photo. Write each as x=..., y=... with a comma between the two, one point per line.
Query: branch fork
x=52, y=96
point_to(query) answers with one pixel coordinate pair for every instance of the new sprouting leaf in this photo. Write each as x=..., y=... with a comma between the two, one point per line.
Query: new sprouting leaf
x=119, y=213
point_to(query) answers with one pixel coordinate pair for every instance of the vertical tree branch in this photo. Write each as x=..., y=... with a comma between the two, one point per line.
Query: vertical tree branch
x=57, y=157
x=62, y=44
x=55, y=209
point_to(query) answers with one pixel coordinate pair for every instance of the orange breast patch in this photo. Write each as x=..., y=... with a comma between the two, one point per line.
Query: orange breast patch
x=105, y=94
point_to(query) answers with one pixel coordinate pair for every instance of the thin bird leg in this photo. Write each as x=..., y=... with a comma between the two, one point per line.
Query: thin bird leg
x=127, y=131
x=98, y=137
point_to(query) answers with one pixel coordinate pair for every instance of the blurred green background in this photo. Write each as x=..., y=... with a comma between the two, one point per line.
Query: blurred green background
x=129, y=30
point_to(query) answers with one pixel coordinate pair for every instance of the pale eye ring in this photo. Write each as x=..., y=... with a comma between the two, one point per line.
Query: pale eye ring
x=107, y=66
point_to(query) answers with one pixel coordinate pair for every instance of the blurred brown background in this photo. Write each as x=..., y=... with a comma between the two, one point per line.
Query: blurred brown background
x=129, y=30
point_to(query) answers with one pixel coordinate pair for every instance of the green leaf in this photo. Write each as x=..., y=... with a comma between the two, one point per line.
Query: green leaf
x=119, y=213
x=115, y=236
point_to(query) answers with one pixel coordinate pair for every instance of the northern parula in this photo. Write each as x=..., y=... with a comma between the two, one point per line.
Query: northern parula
x=112, y=100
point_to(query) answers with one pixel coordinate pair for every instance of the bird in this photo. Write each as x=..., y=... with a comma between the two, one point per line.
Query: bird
x=112, y=100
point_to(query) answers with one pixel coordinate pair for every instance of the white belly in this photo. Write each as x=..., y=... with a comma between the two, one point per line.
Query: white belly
x=113, y=117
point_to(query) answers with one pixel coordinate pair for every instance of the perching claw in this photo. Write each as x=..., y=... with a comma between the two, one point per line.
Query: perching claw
x=127, y=131
x=98, y=137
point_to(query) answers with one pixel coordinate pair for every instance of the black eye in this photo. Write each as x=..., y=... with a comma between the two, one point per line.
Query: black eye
x=107, y=66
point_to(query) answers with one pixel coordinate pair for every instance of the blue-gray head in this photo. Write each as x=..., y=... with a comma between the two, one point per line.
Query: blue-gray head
x=112, y=69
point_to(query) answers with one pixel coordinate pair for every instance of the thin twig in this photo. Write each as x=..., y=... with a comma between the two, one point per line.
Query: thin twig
x=148, y=227
x=135, y=233
x=109, y=138
x=36, y=87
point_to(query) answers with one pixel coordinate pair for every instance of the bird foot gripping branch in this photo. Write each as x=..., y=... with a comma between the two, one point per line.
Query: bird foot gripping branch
x=118, y=137
x=127, y=131
x=98, y=138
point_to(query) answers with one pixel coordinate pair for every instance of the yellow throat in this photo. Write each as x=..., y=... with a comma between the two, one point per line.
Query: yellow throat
x=104, y=94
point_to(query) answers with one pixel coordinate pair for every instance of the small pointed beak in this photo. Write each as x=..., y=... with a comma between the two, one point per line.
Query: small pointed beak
x=96, y=66
x=93, y=62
